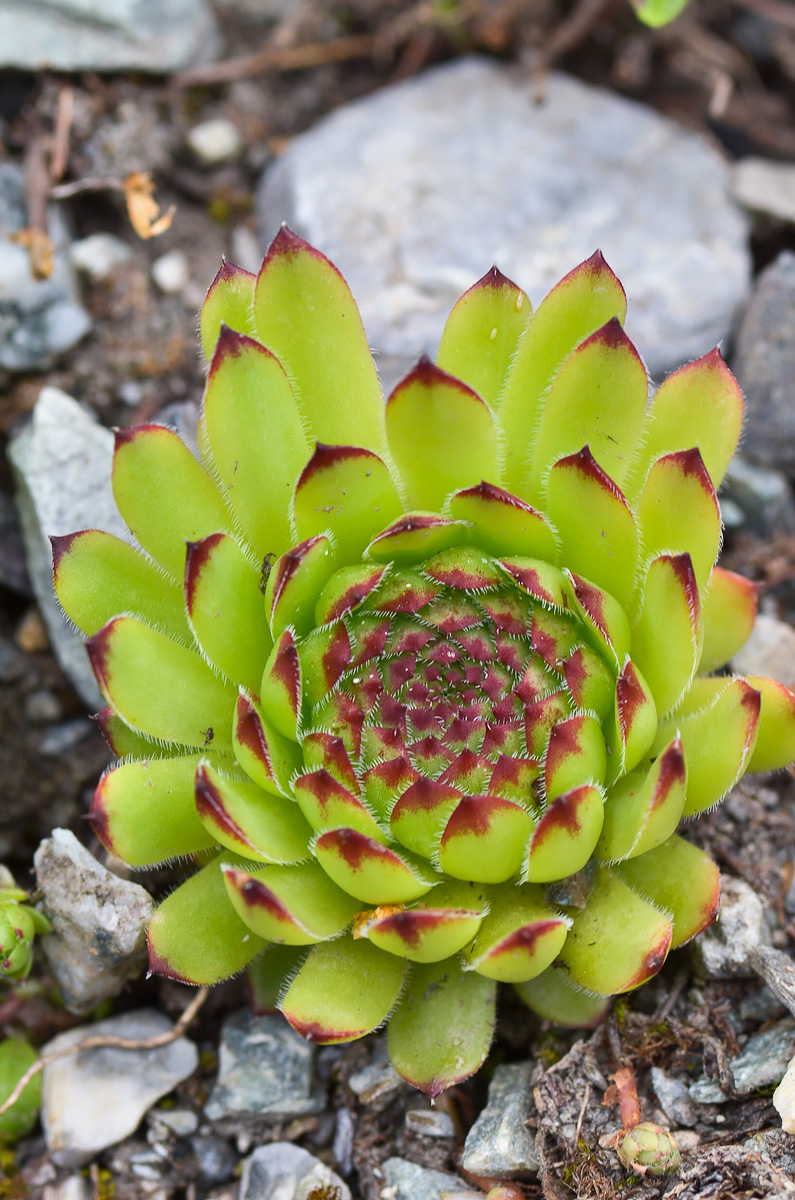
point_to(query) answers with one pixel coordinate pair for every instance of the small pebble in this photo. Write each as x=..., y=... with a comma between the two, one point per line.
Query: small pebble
x=98, y=255
x=31, y=635
x=784, y=1099
x=74, y=1187
x=179, y=1121
x=215, y=142
x=60, y=739
x=216, y=1159
x=765, y=187
x=42, y=707
x=171, y=272
x=130, y=392
x=429, y=1123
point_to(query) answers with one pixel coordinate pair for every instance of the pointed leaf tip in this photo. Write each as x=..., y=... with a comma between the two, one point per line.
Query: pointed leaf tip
x=228, y=271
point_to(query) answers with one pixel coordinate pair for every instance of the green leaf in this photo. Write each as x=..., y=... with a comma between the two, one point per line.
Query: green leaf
x=420, y=815
x=294, y=584
x=247, y=819
x=326, y=804
x=304, y=313
x=632, y=726
x=16, y=1057
x=678, y=511
x=482, y=333
x=597, y=399
x=145, y=812
x=281, y=689
x=658, y=12
x=775, y=742
x=229, y=302
x=371, y=872
x=501, y=523
x=413, y=537
x=442, y=1029
x=680, y=878
x=566, y=834
x=441, y=436
x=348, y=491
x=344, y=990
x=226, y=609
x=618, y=940
x=604, y=619
x=249, y=411
x=267, y=756
x=699, y=405
x=666, y=639
x=196, y=936
x=576, y=754
x=520, y=936
x=430, y=930
x=596, y=528
x=267, y=974
x=643, y=809
x=554, y=997
x=164, y=495
x=485, y=839
x=97, y=576
x=729, y=608
x=584, y=300
x=160, y=687
x=293, y=905
x=346, y=590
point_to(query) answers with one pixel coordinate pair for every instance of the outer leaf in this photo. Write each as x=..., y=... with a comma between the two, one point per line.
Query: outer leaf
x=555, y=998
x=482, y=334
x=97, y=576
x=566, y=835
x=617, y=941
x=442, y=1029
x=431, y=930
x=576, y=753
x=326, y=804
x=164, y=495
x=256, y=438
x=202, y=952
x=643, y=809
x=681, y=879
x=699, y=405
x=226, y=609
x=603, y=617
x=729, y=609
x=281, y=689
x=501, y=523
x=441, y=436
x=144, y=812
x=666, y=639
x=159, y=687
x=346, y=490
x=344, y=990
x=252, y=822
x=775, y=743
x=369, y=871
x=304, y=312
x=584, y=300
x=16, y=1057
x=678, y=511
x=658, y=12
x=296, y=906
x=596, y=528
x=597, y=399
x=520, y=936
x=229, y=301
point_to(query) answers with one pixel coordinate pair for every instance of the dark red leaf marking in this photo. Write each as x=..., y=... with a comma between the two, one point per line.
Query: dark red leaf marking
x=210, y=804
x=334, y=757
x=683, y=569
x=62, y=545
x=652, y=962
x=592, y=600
x=493, y=278
x=630, y=699
x=525, y=939
x=325, y=458
x=288, y=564
x=98, y=817
x=427, y=375
x=475, y=816
x=98, y=649
x=325, y=790
x=355, y=594
x=232, y=344
x=563, y=813
x=158, y=965
x=530, y=579
x=337, y=657
x=584, y=464
x=356, y=849
x=425, y=796
x=250, y=732
x=564, y=744
x=255, y=895
x=612, y=336
x=197, y=556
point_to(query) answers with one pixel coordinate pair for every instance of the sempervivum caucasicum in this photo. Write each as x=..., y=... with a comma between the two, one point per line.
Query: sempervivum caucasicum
x=424, y=688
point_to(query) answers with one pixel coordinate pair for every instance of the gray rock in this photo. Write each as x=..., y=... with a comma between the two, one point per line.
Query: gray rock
x=674, y=1098
x=265, y=1067
x=215, y=1159
x=282, y=1171
x=763, y=1061
x=728, y=948
x=74, y=1187
x=774, y=1146
x=762, y=495
x=784, y=1099
x=417, y=189
x=376, y=1084
x=499, y=1144
x=99, y=255
x=39, y=319
x=94, y=1099
x=429, y=1122
x=406, y=1180
x=770, y=650
x=98, y=937
x=62, y=465
x=182, y=1122
x=764, y=363
x=106, y=35
x=765, y=187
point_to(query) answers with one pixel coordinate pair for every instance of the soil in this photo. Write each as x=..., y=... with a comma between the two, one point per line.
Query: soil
x=727, y=68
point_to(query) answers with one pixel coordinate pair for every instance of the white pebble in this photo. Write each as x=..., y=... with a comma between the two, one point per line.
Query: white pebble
x=216, y=141
x=784, y=1099
x=99, y=255
x=171, y=272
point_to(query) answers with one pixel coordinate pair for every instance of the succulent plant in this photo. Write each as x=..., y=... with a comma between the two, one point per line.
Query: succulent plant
x=424, y=688
x=649, y=1149
x=19, y=924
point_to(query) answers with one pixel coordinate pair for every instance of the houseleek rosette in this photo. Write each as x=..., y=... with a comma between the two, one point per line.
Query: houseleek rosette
x=19, y=925
x=424, y=688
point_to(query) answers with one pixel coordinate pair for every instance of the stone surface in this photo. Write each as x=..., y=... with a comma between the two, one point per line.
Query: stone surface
x=763, y=1061
x=404, y=1180
x=94, y=1099
x=376, y=1084
x=674, y=1098
x=282, y=1171
x=416, y=190
x=215, y=141
x=98, y=939
x=98, y=255
x=39, y=319
x=264, y=1067
x=784, y=1099
x=765, y=187
x=171, y=272
x=727, y=949
x=62, y=465
x=770, y=650
x=764, y=363
x=762, y=496
x=499, y=1143
x=106, y=35
x=429, y=1122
